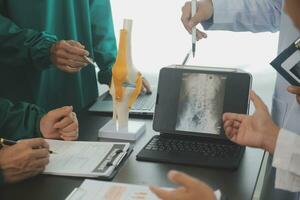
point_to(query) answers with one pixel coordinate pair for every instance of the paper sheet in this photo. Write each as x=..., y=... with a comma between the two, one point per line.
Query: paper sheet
x=92, y=189
x=77, y=158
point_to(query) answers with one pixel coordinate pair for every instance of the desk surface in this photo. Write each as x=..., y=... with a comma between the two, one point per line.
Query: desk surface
x=238, y=184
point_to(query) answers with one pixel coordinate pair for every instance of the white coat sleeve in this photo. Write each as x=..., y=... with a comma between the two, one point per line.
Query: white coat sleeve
x=286, y=160
x=245, y=15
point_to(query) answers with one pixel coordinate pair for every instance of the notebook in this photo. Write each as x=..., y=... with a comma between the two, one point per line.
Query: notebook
x=86, y=159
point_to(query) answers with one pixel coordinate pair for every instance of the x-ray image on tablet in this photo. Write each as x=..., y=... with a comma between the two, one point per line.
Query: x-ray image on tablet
x=201, y=101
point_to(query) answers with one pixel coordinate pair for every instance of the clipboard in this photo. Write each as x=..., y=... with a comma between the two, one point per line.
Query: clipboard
x=118, y=167
x=99, y=160
x=287, y=63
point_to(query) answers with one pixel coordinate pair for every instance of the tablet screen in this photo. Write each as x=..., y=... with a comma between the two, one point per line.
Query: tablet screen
x=200, y=104
x=191, y=101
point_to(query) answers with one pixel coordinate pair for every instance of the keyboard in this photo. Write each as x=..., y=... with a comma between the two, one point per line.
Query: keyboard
x=215, y=150
x=144, y=102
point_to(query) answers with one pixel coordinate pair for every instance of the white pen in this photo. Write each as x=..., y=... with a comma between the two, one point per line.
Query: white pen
x=194, y=37
x=91, y=61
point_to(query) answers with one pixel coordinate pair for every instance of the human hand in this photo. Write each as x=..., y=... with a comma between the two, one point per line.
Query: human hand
x=60, y=123
x=146, y=86
x=25, y=159
x=190, y=189
x=68, y=55
x=295, y=90
x=204, y=12
x=257, y=130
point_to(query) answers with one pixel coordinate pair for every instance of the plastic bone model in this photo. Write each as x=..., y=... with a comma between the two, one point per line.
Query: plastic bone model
x=126, y=82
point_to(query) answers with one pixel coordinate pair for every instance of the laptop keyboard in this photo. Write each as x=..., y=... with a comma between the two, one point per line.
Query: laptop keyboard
x=185, y=146
x=144, y=102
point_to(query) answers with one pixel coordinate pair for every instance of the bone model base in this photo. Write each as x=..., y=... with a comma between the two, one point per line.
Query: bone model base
x=132, y=131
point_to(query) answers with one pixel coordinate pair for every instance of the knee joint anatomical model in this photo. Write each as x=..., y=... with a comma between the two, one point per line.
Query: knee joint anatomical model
x=126, y=83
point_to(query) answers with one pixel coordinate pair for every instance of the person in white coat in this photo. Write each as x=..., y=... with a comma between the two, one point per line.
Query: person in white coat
x=255, y=16
x=257, y=130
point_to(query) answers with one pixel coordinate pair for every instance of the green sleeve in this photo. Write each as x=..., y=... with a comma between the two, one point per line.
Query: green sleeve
x=19, y=121
x=104, y=41
x=1, y=178
x=24, y=46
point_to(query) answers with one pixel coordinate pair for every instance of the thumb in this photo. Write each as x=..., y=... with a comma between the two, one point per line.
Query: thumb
x=61, y=112
x=182, y=179
x=258, y=103
x=203, y=13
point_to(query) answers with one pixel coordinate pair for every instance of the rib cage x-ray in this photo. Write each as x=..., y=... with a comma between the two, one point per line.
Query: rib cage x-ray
x=201, y=102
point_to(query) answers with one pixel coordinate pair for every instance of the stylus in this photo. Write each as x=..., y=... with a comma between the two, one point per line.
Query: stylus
x=194, y=31
x=187, y=57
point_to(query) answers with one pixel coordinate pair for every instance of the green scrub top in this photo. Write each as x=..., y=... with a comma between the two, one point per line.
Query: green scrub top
x=29, y=28
x=19, y=121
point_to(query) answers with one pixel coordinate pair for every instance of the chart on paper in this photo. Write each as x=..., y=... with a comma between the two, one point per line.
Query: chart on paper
x=99, y=190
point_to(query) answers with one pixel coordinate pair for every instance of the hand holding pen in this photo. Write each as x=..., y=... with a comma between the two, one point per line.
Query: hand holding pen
x=25, y=159
x=68, y=55
x=204, y=11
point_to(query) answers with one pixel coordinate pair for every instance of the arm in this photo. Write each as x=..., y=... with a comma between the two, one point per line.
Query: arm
x=19, y=121
x=104, y=41
x=24, y=45
x=245, y=15
x=287, y=160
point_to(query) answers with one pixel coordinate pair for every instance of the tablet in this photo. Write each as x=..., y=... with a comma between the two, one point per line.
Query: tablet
x=191, y=100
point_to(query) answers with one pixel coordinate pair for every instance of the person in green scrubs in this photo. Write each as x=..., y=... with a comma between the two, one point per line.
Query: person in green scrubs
x=24, y=121
x=42, y=49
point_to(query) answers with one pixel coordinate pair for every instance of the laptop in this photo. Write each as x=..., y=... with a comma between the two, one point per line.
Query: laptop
x=143, y=107
x=188, y=116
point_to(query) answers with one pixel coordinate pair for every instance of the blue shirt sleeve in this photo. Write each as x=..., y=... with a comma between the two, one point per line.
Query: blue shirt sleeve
x=245, y=15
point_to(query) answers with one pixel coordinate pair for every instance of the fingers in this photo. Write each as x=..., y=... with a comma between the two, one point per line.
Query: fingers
x=35, y=143
x=69, y=59
x=70, y=128
x=295, y=90
x=72, y=49
x=75, y=43
x=60, y=112
x=233, y=117
x=67, y=131
x=38, y=164
x=67, y=68
x=40, y=153
x=258, y=103
x=186, y=16
x=231, y=133
x=67, y=55
x=65, y=122
x=162, y=193
x=70, y=136
x=231, y=129
x=200, y=35
x=147, y=86
x=182, y=179
x=70, y=133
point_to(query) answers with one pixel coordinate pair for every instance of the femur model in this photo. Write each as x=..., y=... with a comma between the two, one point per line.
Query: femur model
x=126, y=83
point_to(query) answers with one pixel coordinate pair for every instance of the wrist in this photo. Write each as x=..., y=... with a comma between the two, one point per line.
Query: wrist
x=270, y=138
x=41, y=125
